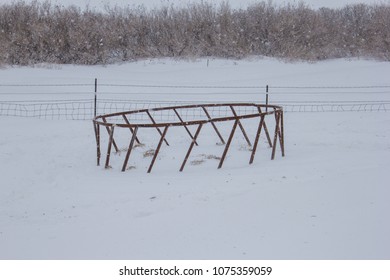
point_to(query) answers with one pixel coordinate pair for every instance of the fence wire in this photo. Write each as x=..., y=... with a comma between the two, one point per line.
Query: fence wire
x=84, y=109
x=336, y=107
x=60, y=110
x=297, y=99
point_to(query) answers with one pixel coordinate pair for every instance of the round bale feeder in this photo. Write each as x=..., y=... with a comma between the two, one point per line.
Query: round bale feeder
x=137, y=120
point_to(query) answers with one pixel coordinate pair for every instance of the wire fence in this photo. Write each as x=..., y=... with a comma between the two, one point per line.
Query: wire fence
x=56, y=109
x=82, y=101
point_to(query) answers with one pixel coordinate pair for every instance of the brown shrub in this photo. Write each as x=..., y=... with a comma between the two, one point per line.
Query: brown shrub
x=40, y=32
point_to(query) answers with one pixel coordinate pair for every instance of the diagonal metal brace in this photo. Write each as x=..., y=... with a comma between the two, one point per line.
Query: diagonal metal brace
x=133, y=138
x=213, y=124
x=266, y=129
x=186, y=128
x=131, y=129
x=96, y=127
x=240, y=125
x=228, y=144
x=276, y=134
x=257, y=139
x=191, y=146
x=158, y=129
x=110, y=143
x=109, y=133
x=158, y=148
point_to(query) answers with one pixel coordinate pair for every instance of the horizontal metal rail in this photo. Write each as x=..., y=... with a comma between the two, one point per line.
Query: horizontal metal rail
x=99, y=119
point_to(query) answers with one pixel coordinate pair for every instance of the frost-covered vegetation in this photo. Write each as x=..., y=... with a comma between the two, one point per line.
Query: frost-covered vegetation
x=40, y=32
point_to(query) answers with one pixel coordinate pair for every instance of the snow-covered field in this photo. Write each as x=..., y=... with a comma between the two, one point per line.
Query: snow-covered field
x=327, y=199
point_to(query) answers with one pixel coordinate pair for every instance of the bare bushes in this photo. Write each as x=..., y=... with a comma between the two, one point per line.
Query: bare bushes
x=39, y=32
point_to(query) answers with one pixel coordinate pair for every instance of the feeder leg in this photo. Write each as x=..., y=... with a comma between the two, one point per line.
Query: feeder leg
x=257, y=139
x=228, y=144
x=110, y=142
x=191, y=146
x=158, y=148
x=275, y=135
x=133, y=138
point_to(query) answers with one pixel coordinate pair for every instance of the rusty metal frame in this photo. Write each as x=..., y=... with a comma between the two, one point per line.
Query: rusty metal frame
x=191, y=146
x=261, y=125
x=110, y=143
x=278, y=133
x=108, y=128
x=158, y=148
x=213, y=124
x=131, y=129
x=228, y=143
x=265, y=127
x=131, y=144
x=97, y=137
x=240, y=125
x=184, y=125
x=157, y=127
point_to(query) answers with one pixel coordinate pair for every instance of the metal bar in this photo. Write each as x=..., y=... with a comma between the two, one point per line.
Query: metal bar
x=213, y=124
x=266, y=98
x=265, y=129
x=158, y=129
x=241, y=127
x=261, y=124
x=192, y=106
x=99, y=149
x=275, y=135
x=188, y=123
x=110, y=142
x=133, y=138
x=191, y=146
x=109, y=132
x=279, y=133
x=186, y=128
x=97, y=137
x=131, y=129
x=95, y=99
x=228, y=144
x=158, y=149
x=282, y=132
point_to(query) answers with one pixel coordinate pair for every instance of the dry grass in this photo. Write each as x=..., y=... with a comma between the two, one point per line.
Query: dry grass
x=197, y=162
x=211, y=157
x=149, y=153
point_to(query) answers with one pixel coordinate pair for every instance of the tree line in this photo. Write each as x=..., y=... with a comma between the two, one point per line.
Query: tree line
x=44, y=33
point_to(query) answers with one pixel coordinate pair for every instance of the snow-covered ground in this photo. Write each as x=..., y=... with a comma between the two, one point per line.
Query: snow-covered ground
x=327, y=199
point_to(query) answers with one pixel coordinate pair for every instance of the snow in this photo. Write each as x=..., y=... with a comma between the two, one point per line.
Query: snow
x=327, y=199
x=251, y=72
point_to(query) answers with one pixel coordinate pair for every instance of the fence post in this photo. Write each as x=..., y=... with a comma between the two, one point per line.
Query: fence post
x=95, y=100
x=266, y=98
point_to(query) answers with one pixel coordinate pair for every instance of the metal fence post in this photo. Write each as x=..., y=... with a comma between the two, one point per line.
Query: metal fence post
x=95, y=100
x=266, y=98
